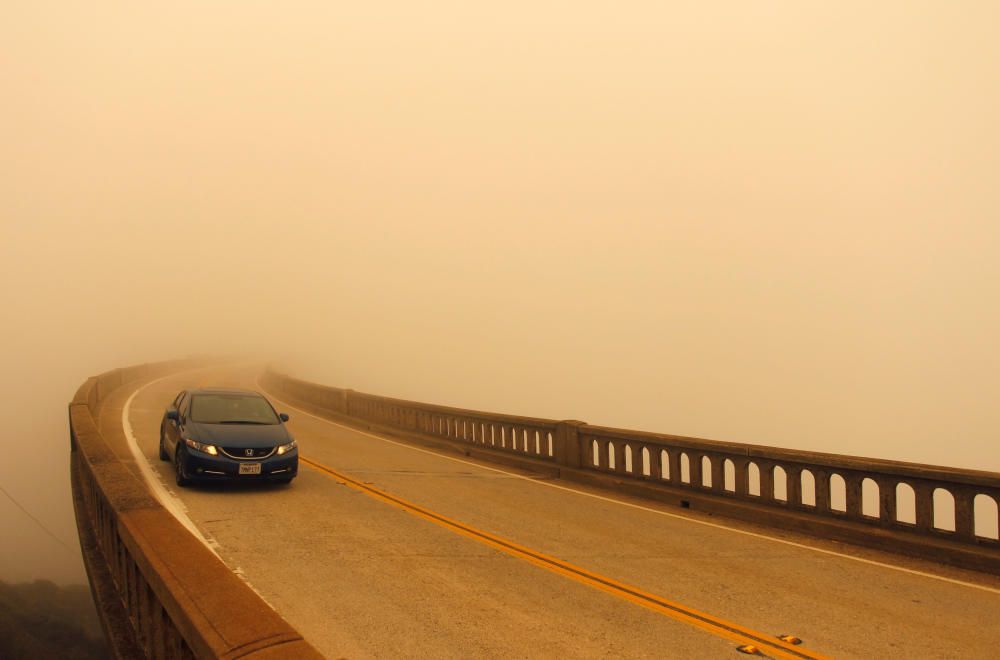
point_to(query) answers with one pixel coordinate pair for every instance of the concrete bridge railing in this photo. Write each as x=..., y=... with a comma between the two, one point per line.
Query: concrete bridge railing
x=944, y=514
x=159, y=591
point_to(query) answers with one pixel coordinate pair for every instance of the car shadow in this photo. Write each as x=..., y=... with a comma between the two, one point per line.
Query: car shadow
x=233, y=487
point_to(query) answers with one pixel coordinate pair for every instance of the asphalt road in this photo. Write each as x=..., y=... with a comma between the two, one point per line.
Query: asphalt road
x=369, y=553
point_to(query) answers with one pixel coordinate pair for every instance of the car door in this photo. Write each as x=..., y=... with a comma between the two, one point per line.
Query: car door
x=172, y=430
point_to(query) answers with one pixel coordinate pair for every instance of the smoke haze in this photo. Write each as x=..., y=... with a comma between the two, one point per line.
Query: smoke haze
x=775, y=223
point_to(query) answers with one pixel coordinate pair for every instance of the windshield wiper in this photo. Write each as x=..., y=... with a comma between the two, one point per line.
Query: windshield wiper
x=240, y=421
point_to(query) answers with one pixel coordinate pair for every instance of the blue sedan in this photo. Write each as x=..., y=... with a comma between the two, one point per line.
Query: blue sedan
x=227, y=434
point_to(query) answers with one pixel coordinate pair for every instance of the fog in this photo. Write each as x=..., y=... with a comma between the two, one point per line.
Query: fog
x=773, y=222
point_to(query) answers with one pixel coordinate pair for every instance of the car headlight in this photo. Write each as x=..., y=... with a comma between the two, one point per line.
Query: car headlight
x=201, y=446
x=284, y=449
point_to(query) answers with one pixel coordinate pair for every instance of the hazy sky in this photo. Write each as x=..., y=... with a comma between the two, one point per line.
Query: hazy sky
x=769, y=222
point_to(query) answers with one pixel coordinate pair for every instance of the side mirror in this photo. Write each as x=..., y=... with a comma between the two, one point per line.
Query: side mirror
x=172, y=414
x=283, y=417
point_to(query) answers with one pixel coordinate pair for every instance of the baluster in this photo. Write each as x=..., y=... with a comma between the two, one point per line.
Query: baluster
x=741, y=467
x=694, y=469
x=886, y=499
x=821, y=479
x=852, y=495
x=766, y=469
x=923, y=494
x=793, y=485
x=964, y=507
x=718, y=473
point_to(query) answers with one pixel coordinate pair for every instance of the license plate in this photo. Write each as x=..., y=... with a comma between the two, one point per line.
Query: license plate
x=249, y=468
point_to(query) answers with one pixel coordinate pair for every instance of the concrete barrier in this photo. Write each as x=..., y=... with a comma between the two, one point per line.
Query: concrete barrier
x=160, y=593
x=919, y=510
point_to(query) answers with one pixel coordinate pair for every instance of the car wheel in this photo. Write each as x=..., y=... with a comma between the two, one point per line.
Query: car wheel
x=164, y=456
x=180, y=477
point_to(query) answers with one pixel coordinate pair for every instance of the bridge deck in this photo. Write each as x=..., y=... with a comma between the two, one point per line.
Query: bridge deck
x=363, y=577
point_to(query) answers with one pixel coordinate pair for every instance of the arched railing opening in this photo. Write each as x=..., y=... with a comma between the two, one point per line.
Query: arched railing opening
x=985, y=516
x=944, y=510
x=780, y=484
x=906, y=503
x=753, y=479
x=838, y=493
x=807, y=488
x=729, y=475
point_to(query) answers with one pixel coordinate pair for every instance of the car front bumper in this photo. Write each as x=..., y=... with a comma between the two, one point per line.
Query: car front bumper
x=201, y=466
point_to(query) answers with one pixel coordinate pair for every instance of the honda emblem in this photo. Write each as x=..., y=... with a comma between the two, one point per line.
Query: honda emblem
x=248, y=452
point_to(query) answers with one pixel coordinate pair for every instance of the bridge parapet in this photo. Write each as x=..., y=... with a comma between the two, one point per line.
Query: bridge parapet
x=159, y=591
x=944, y=514
x=817, y=483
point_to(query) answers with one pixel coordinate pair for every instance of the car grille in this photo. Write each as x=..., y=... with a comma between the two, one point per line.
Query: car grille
x=247, y=453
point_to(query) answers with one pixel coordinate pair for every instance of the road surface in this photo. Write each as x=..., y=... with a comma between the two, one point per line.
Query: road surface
x=384, y=549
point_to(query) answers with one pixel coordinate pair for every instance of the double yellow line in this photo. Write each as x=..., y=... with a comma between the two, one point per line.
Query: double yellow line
x=767, y=645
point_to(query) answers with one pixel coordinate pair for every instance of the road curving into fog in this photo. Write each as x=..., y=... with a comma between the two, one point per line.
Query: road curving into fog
x=384, y=549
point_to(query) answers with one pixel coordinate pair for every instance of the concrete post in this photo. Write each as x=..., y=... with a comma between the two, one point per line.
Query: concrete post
x=852, y=495
x=694, y=469
x=742, y=467
x=887, y=500
x=793, y=485
x=567, y=442
x=822, y=480
x=718, y=472
x=674, y=466
x=767, y=481
x=923, y=493
x=965, y=522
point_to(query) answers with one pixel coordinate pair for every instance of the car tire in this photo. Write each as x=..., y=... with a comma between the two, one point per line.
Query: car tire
x=179, y=476
x=164, y=456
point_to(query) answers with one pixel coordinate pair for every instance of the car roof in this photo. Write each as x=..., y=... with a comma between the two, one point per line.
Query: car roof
x=224, y=390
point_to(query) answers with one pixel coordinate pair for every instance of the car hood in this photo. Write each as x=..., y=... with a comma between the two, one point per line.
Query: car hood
x=239, y=435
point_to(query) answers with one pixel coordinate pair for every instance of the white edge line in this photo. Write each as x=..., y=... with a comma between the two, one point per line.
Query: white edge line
x=832, y=553
x=169, y=501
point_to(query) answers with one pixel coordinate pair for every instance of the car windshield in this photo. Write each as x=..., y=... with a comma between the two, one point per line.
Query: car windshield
x=231, y=409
